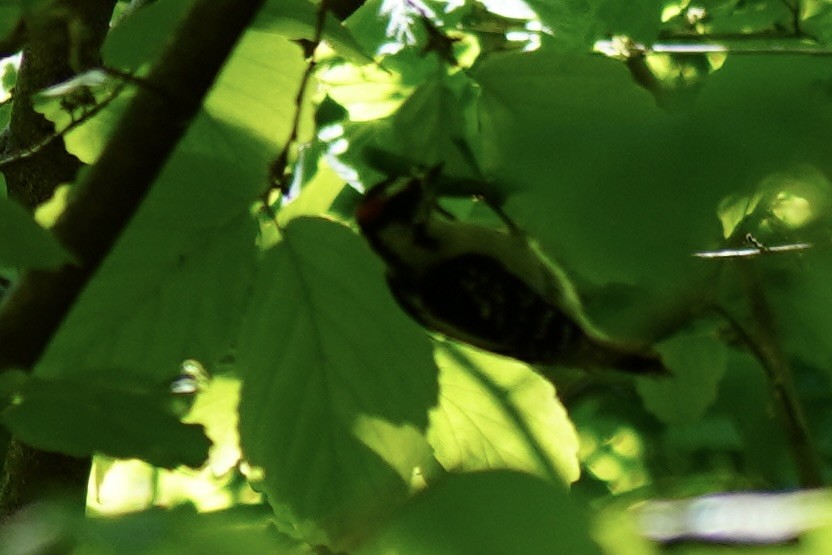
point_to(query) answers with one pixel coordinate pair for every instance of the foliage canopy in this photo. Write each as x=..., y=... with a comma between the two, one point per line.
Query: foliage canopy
x=625, y=138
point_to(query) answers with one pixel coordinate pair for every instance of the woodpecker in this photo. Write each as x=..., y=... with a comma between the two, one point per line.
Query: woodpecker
x=488, y=287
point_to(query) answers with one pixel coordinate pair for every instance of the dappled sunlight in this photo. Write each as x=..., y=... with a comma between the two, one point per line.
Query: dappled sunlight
x=126, y=486
x=616, y=459
x=368, y=92
x=782, y=203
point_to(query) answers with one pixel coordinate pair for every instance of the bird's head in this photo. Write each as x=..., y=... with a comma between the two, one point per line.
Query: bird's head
x=396, y=200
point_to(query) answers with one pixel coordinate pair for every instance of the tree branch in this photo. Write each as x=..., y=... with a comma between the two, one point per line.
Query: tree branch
x=56, y=42
x=115, y=186
x=52, y=54
x=765, y=346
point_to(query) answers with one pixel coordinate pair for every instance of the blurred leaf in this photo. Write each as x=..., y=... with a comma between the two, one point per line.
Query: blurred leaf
x=802, y=303
x=7, y=82
x=745, y=397
x=337, y=384
x=698, y=364
x=53, y=526
x=749, y=17
x=570, y=21
x=10, y=15
x=495, y=412
x=242, y=529
x=82, y=418
x=617, y=531
x=23, y=243
x=637, y=20
x=577, y=24
x=487, y=512
x=817, y=17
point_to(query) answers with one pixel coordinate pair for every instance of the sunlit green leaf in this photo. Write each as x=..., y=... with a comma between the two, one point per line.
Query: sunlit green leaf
x=298, y=19
x=337, y=384
x=215, y=408
x=103, y=106
x=317, y=195
x=495, y=412
x=178, y=278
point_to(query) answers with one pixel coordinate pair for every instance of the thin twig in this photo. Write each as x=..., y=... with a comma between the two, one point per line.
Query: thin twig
x=76, y=122
x=765, y=348
x=794, y=9
x=633, y=50
x=278, y=180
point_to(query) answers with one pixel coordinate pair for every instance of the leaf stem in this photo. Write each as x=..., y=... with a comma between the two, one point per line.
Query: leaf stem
x=764, y=345
x=278, y=177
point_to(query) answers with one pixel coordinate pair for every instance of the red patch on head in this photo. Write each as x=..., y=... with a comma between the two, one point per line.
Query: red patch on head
x=369, y=210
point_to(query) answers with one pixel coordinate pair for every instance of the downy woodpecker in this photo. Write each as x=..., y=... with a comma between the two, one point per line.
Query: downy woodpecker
x=487, y=287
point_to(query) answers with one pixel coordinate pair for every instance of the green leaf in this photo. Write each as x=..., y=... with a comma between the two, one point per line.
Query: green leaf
x=317, y=195
x=247, y=114
x=85, y=141
x=337, y=384
x=801, y=301
x=368, y=27
x=10, y=17
x=487, y=512
x=577, y=24
x=215, y=408
x=169, y=292
x=429, y=128
x=637, y=20
x=82, y=418
x=179, y=277
x=138, y=39
x=817, y=16
x=745, y=397
x=297, y=19
x=23, y=243
x=240, y=529
x=621, y=191
x=495, y=412
x=698, y=364
x=571, y=21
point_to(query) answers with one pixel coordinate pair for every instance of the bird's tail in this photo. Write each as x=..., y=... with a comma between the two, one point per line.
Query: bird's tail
x=596, y=353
